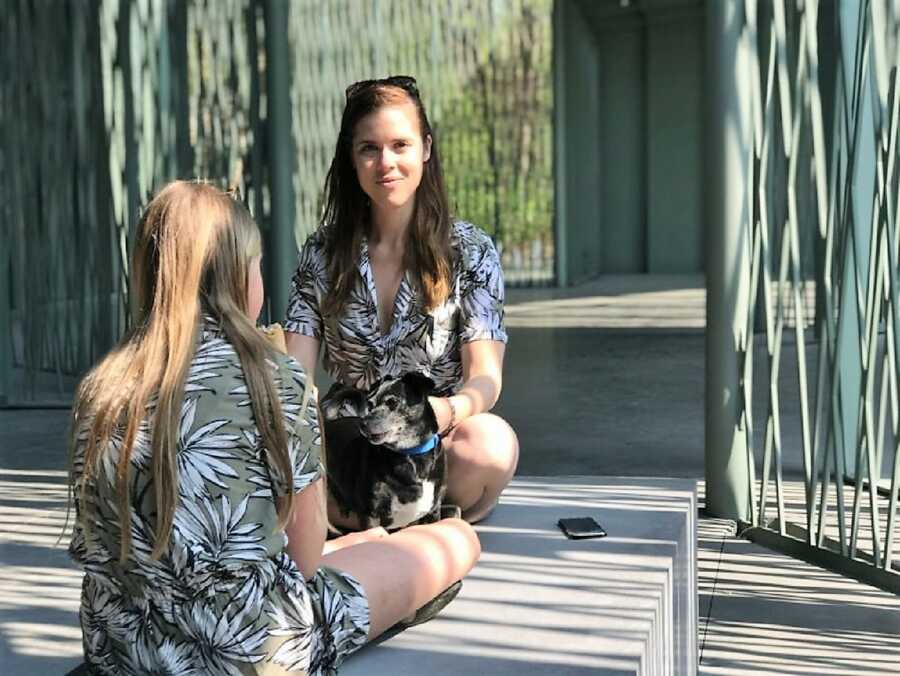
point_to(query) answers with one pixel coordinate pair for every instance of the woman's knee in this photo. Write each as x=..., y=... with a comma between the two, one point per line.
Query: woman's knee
x=456, y=544
x=487, y=440
x=508, y=446
x=402, y=571
x=467, y=540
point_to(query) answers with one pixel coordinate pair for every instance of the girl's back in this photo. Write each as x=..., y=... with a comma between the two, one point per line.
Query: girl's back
x=225, y=592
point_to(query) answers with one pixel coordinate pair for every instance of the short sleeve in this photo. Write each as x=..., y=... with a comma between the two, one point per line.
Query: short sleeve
x=302, y=315
x=481, y=293
x=305, y=441
x=77, y=545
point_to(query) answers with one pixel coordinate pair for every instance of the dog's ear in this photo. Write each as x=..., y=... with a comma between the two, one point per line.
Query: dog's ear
x=343, y=402
x=417, y=385
x=357, y=404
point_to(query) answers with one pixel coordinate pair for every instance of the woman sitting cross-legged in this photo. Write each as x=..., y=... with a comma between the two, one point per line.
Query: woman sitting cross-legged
x=200, y=519
x=391, y=283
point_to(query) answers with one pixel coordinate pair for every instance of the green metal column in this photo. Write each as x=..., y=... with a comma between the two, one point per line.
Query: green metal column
x=6, y=342
x=281, y=246
x=728, y=208
x=577, y=139
x=560, y=192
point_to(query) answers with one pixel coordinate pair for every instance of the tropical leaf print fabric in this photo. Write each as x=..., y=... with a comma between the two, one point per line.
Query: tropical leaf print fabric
x=225, y=598
x=357, y=354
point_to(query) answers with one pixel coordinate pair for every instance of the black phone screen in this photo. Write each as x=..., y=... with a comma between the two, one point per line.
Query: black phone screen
x=581, y=527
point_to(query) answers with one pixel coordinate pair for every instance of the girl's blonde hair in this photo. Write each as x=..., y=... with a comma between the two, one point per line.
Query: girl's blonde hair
x=191, y=257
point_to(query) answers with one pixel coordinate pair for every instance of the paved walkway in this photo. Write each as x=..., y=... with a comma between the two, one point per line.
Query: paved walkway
x=603, y=390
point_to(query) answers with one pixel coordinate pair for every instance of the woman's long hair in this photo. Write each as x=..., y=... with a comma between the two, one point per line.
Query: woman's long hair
x=194, y=244
x=347, y=214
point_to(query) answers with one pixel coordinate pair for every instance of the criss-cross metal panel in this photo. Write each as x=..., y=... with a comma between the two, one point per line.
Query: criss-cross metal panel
x=824, y=109
x=105, y=100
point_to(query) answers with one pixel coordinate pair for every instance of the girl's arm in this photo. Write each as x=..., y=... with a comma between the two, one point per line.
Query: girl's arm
x=482, y=362
x=308, y=528
x=305, y=349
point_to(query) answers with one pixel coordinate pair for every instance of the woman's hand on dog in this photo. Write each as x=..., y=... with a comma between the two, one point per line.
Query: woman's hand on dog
x=442, y=412
x=354, y=539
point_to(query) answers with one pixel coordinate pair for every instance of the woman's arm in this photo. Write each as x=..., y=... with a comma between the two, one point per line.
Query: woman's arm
x=482, y=362
x=305, y=349
x=308, y=528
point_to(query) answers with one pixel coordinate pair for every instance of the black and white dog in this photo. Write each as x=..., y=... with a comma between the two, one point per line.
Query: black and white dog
x=384, y=458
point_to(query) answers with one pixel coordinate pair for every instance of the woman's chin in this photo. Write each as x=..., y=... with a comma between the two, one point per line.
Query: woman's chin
x=392, y=201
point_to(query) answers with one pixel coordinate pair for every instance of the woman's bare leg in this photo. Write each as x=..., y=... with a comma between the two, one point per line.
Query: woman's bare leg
x=482, y=454
x=352, y=539
x=400, y=573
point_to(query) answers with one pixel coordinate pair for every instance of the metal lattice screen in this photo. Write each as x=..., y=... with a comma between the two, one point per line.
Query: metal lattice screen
x=825, y=101
x=109, y=100
x=484, y=73
x=105, y=100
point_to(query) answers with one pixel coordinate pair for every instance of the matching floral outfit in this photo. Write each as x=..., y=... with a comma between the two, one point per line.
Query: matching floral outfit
x=226, y=598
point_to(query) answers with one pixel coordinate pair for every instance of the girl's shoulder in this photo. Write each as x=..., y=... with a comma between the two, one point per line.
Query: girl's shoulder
x=291, y=374
x=215, y=355
x=473, y=245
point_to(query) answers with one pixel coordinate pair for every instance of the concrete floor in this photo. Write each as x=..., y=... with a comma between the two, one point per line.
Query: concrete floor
x=605, y=379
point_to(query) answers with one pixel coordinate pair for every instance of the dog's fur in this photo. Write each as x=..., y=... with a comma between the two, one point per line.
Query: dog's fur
x=371, y=483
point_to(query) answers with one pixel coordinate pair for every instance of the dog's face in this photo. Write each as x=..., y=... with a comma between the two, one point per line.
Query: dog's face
x=398, y=414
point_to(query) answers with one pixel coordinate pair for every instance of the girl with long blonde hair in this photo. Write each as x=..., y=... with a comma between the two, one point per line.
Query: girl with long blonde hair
x=197, y=478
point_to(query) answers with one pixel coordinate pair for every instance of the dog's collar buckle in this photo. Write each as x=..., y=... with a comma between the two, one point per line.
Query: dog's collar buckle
x=421, y=449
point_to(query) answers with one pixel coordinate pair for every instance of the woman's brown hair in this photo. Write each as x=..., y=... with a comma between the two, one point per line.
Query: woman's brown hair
x=193, y=247
x=428, y=255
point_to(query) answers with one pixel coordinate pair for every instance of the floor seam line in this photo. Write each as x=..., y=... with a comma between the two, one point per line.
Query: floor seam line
x=711, y=599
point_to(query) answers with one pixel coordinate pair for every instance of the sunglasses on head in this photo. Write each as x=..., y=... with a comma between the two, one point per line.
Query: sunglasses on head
x=405, y=82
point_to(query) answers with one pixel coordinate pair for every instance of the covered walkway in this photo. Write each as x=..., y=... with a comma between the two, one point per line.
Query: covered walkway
x=614, y=387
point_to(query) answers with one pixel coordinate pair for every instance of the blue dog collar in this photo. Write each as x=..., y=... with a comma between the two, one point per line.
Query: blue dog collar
x=421, y=449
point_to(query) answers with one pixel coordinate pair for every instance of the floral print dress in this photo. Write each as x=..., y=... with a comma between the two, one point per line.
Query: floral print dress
x=226, y=598
x=357, y=354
